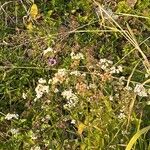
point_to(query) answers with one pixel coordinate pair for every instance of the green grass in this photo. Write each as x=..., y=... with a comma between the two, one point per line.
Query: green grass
x=87, y=102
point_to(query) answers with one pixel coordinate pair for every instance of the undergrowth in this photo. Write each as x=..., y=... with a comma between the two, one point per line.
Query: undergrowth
x=74, y=75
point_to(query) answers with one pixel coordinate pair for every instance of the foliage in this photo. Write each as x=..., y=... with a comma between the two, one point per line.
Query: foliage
x=74, y=74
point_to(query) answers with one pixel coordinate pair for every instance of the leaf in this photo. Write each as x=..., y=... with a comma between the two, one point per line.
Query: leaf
x=136, y=136
x=81, y=127
x=131, y=3
x=34, y=11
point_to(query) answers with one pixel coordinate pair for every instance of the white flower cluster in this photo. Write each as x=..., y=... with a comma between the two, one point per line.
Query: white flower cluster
x=24, y=95
x=11, y=116
x=14, y=131
x=121, y=116
x=59, y=76
x=106, y=66
x=35, y=148
x=76, y=73
x=71, y=98
x=41, y=88
x=76, y=56
x=48, y=50
x=73, y=121
x=140, y=90
x=117, y=69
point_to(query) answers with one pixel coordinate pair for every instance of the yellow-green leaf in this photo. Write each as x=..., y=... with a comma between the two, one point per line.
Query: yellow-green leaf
x=81, y=127
x=29, y=26
x=34, y=11
x=136, y=136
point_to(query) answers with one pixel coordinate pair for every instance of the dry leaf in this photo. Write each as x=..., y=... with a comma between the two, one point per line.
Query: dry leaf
x=34, y=11
x=131, y=3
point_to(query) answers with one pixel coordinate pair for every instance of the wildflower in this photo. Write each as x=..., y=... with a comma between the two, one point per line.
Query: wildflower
x=52, y=61
x=105, y=64
x=124, y=132
x=148, y=103
x=128, y=88
x=121, y=116
x=71, y=98
x=147, y=75
x=33, y=137
x=59, y=76
x=49, y=81
x=47, y=117
x=61, y=72
x=120, y=68
x=42, y=81
x=24, y=95
x=56, y=90
x=77, y=56
x=10, y=116
x=73, y=121
x=140, y=90
x=48, y=50
x=76, y=73
x=67, y=94
x=111, y=98
x=14, y=131
x=41, y=89
x=35, y=148
x=116, y=69
x=92, y=86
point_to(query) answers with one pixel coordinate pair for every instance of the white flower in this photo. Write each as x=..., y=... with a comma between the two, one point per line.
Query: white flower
x=42, y=81
x=33, y=137
x=48, y=50
x=113, y=70
x=73, y=121
x=76, y=73
x=59, y=76
x=148, y=103
x=128, y=88
x=72, y=99
x=10, y=116
x=147, y=75
x=120, y=68
x=35, y=148
x=41, y=89
x=24, y=95
x=116, y=69
x=121, y=116
x=14, y=131
x=56, y=90
x=77, y=56
x=62, y=72
x=140, y=90
x=111, y=98
x=148, y=91
x=67, y=94
x=48, y=117
x=92, y=86
x=55, y=80
x=103, y=60
x=105, y=64
x=49, y=81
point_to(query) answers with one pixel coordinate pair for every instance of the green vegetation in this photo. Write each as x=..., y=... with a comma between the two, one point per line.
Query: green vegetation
x=74, y=75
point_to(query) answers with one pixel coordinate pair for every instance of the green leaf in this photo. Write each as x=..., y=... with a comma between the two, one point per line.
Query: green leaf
x=136, y=136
